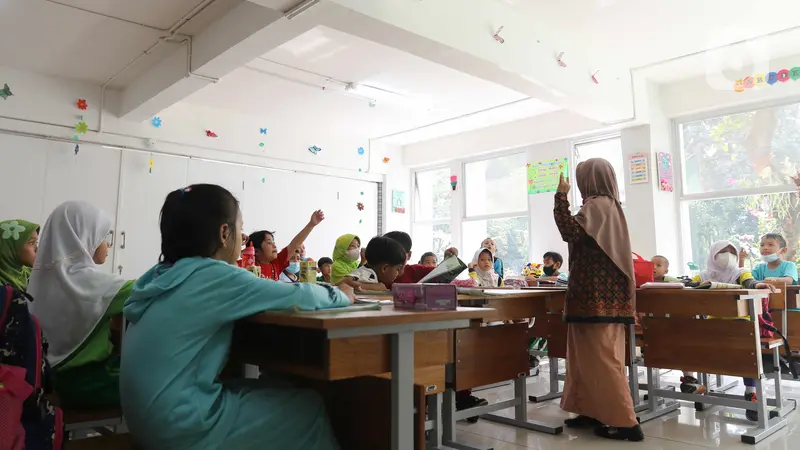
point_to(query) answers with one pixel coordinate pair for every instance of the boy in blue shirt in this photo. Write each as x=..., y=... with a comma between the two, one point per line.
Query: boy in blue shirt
x=774, y=268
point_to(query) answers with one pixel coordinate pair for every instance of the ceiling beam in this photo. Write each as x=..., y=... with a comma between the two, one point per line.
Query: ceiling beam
x=247, y=31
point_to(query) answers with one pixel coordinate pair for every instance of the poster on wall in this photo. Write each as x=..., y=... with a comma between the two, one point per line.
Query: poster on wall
x=638, y=168
x=665, y=171
x=399, y=202
x=543, y=175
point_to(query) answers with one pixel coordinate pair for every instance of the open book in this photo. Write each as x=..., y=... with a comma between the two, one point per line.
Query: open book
x=662, y=285
x=445, y=272
x=716, y=285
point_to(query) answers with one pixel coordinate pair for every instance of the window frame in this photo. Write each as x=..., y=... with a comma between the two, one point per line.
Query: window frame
x=679, y=175
x=415, y=192
x=575, y=193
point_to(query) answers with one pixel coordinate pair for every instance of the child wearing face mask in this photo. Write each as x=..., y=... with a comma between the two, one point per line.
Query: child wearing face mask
x=292, y=271
x=723, y=266
x=774, y=268
x=552, y=263
x=346, y=257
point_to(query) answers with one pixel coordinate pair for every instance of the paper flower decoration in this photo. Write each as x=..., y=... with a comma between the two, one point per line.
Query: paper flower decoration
x=314, y=149
x=360, y=150
x=261, y=144
x=81, y=127
x=211, y=134
x=5, y=92
x=82, y=105
x=360, y=206
x=533, y=270
x=263, y=131
x=11, y=229
x=453, y=181
x=386, y=160
x=156, y=122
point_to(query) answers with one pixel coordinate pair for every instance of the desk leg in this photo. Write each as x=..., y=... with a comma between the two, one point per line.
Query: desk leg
x=435, y=415
x=555, y=390
x=521, y=412
x=655, y=406
x=633, y=369
x=449, y=424
x=403, y=391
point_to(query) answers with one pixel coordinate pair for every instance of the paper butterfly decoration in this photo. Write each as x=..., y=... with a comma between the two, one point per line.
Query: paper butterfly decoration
x=360, y=150
x=82, y=105
x=82, y=127
x=594, y=78
x=11, y=229
x=560, y=61
x=386, y=160
x=263, y=131
x=156, y=122
x=497, y=36
x=360, y=206
x=314, y=149
x=6, y=92
x=211, y=134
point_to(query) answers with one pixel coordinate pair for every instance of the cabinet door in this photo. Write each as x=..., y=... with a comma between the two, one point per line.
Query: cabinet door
x=24, y=161
x=143, y=192
x=229, y=176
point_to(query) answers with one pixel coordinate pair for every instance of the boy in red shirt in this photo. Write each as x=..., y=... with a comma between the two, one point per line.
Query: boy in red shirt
x=273, y=263
x=412, y=273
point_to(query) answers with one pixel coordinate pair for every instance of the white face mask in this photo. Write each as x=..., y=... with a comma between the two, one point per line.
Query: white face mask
x=726, y=260
x=354, y=254
x=770, y=258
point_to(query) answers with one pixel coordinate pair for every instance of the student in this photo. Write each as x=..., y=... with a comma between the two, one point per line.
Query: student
x=722, y=266
x=597, y=308
x=346, y=257
x=75, y=301
x=774, y=268
x=552, y=263
x=292, y=272
x=498, y=263
x=661, y=269
x=429, y=260
x=19, y=240
x=324, y=267
x=385, y=260
x=481, y=269
x=182, y=314
x=273, y=263
x=412, y=273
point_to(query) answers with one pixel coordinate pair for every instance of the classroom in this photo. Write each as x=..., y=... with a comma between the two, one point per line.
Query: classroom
x=469, y=224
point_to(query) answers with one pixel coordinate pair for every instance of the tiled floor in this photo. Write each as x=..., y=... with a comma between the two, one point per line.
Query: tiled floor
x=717, y=427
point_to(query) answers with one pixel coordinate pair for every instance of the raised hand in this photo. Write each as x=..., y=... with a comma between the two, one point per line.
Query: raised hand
x=563, y=184
x=317, y=217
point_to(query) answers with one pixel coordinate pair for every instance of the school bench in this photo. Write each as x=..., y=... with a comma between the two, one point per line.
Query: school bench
x=711, y=345
x=330, y=346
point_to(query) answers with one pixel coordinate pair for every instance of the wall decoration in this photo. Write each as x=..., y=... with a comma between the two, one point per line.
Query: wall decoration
x=211, y=134
x=156, y=122
x=638, y=168
x=372, y=103
x=81, y=104
x=360, y=206
x=665, y=171
x=77, y=149
x=594, y=77
x=81, y=127
x=497, y=36
x=5, y=92
x=399, y=202
x=314, y=149
x=771, y=78
x=151, y=163
x=453, y=181
x=543, y=175
x=386, y=160
x=261, y=144
x=263, y=131
x=361, y=151
x=263, y=180
x=561, y=61
x=359, y=169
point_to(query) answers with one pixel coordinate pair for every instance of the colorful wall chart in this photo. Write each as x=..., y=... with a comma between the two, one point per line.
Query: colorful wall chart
x=638, y=168
x=543, y=175
x=399, y=202
x=665, y=171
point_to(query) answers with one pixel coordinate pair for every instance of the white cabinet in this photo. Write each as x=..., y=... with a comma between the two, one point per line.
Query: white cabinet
x=23, y=171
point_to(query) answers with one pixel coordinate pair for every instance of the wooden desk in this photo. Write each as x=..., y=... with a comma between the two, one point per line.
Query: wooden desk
x=792, y=296
x=331, y=345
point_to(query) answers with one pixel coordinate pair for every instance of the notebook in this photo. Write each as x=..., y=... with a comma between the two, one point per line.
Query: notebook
x=716, y=285
x=655, y=285
x=445, y=272
x=371, y=306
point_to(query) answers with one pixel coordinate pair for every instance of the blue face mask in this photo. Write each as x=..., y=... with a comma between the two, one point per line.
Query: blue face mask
x=770, y=258
x=294, y=267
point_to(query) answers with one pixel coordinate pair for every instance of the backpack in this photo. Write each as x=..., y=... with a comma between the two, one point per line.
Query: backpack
x=28, y=421
x=766, y=325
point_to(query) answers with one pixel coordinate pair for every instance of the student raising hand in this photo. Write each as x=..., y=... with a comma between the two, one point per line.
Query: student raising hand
x=317, y=217
x=563, y=184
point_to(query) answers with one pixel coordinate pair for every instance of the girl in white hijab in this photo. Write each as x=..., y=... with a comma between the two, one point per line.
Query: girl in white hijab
x=482, y=269
x=75, y=300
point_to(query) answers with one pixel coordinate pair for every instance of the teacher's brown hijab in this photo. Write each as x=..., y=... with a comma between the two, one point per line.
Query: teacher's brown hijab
x=601, y=215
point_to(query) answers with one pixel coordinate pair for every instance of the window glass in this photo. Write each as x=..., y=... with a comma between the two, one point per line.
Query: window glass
x=608, y=149
x=510, y=235
x=430, y=238
x=496, y=185
x=432, y=195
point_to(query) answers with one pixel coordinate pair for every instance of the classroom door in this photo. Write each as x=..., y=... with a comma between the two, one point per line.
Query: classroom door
x=138, y=242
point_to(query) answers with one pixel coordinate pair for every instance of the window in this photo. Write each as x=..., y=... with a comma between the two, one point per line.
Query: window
x=434, y=238
x=433, y=198
x=609, y=149
x=496, y=185
x=510, y=235
x=736, y=180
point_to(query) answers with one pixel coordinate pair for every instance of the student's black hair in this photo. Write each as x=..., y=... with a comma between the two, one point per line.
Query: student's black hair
x=190, y=221
x=556, y=257
x=425, y=255
x=324, y=260
x=258, y=237
x=777, y=237
x=402, y=237
x=384, y=250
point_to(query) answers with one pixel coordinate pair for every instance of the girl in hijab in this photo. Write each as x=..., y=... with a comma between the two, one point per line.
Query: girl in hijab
x=498, y=263
x=18, y=243
x=76, y=299
x=597, y=309
x=346, y=257
x=722, y=266
x=481, y=269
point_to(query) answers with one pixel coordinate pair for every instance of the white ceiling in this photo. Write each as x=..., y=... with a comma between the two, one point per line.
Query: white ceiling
x=286, y=84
